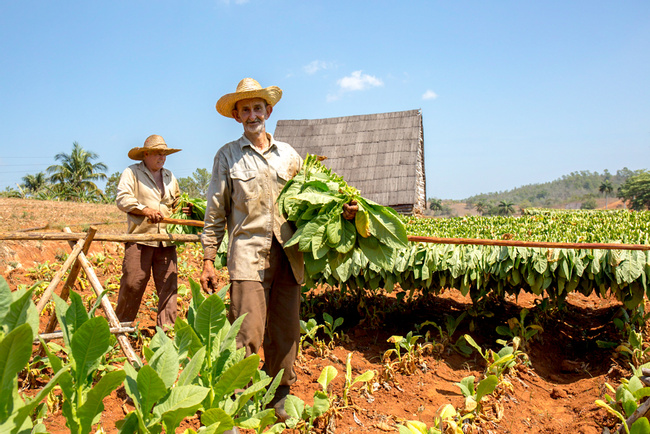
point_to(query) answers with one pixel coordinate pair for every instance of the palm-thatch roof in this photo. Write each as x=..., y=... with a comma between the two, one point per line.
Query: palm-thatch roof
x=381, y=154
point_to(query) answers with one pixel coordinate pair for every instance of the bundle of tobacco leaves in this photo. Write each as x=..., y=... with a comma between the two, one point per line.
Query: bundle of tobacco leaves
x=334, y=248
x=197, y=209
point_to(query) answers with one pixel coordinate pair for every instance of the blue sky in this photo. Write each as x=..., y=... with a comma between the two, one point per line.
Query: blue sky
x=511, y=92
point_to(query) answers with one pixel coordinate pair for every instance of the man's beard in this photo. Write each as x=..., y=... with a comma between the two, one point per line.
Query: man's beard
x=255, y=127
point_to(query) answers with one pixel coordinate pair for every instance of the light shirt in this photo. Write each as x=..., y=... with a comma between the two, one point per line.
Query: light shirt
x=242, y=197
x=137, y=189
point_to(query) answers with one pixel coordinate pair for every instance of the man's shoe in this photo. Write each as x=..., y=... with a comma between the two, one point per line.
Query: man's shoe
x=277, y=403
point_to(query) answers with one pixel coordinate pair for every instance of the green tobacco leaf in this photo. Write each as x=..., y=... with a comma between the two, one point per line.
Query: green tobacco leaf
x=316, y=198
x=294, y=406
x=379, y=254
x=193, y=368
x=15, y=351
x=217, y=416
x=210, y=318
x=319, y=247
x=362, y=223
x=89, y=343
x=640, y=426
x=94, y=406
x=321, y=404
x=150, y=387
x=237, y=376
x=348, y=237
x=181, y=397
x=165, y=363
x=5, y=299
x=334, y=231
x=76, y=315
x=386, y=226
x=21, y=311
x=486, y=386
x=310, y=230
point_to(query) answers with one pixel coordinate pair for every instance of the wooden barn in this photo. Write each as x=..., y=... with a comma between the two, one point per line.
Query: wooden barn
x=382, y=155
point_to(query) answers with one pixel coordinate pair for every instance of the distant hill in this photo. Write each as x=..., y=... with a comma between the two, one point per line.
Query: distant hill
x=573, y=191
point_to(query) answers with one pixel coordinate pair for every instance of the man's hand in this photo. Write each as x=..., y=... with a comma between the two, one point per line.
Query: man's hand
x=187, y=210
x=350, y=210
x=209, y=279
x=152, y=215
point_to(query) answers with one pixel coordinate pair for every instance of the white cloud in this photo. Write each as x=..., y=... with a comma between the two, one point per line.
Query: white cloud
x=359, y=81
x=429, y=94
x=315, y=66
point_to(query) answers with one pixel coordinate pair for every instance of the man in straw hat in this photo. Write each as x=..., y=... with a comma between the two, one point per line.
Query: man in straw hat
x=247, y=177
x=147, y=192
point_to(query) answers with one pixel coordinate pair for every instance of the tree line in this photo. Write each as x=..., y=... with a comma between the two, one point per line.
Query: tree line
x=73, y=177
x=580, y=188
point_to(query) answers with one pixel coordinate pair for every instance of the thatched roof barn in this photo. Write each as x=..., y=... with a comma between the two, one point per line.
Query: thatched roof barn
x=381, y=154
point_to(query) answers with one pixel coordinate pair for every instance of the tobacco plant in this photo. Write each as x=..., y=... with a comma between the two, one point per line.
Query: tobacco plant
x=625, y=402
x=407, y=352
x=87, y=338
x=302, y=416
x=444, y=423
x=518, y=328
x=237, y=392
x=18, y=328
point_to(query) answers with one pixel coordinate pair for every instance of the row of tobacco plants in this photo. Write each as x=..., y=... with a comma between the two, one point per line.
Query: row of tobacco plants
x=372, y=251
x=199, y=369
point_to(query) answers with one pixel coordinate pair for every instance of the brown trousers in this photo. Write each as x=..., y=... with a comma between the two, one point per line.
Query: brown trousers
x=273, y=319
x=139, y=262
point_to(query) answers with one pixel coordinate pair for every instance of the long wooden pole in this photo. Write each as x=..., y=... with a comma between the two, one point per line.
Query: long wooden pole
x=59, y=334
x=108, y=310
x=72, y=277
x=120, y=238
x=515, y=243
x=57, y=277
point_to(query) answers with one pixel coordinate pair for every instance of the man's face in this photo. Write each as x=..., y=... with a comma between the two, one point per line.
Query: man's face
x=252, y=113
x=154, y=160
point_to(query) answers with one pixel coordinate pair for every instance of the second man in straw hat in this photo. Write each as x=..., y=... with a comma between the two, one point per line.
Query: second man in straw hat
x=148, y=192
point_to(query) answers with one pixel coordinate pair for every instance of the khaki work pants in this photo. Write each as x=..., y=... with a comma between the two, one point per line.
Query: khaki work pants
x=273, y=319
x=139, y=263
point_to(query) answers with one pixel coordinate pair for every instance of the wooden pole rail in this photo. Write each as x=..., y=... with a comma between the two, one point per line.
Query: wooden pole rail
x=59, y=334
x=515, y=243
x=73, y=236
x=191, y=238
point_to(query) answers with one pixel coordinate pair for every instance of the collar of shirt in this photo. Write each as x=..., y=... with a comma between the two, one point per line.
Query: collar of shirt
x=246, y=142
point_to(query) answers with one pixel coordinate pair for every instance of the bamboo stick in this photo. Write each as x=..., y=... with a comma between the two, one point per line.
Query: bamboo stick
x=67, y=236
x=183, y=222
x=57, y=276
x=108, y=310
x=72, y=277
x=190, y=238
x=515, y=243
x=59, y=334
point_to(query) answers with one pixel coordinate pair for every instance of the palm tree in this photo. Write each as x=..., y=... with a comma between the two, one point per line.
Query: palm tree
x=506, y=207
x=481, y=206
x=33, y=183
x=607, y=188
x=435, y=204
x=76, y=174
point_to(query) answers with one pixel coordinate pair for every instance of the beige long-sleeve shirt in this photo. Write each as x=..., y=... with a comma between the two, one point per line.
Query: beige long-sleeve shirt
x=242, y=197
x=137, y=189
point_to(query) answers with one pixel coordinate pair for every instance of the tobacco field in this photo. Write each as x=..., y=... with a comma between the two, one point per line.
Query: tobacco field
x=422, y=338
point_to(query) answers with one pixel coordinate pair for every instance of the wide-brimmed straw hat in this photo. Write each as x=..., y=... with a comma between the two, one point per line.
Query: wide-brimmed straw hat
x=153, y=143
x=248, y=88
